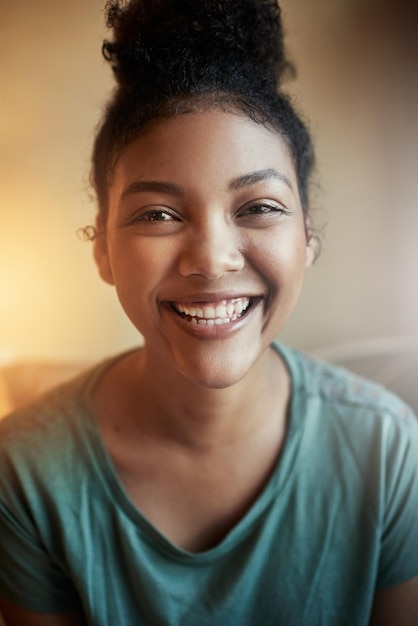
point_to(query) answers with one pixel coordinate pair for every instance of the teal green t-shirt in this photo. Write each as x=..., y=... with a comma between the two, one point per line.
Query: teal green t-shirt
x=337, y=520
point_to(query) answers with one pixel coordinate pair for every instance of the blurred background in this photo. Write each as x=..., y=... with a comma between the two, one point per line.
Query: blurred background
x=357, y=85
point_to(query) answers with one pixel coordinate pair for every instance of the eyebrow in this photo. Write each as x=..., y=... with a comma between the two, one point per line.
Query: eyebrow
x=171, y=189
x=152, y=186
x=257, y=177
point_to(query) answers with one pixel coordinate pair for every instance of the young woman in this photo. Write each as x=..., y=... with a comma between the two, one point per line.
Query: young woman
x=212, y=476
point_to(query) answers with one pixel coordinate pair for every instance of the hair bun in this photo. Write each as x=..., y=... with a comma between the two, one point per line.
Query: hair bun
x=163, y=47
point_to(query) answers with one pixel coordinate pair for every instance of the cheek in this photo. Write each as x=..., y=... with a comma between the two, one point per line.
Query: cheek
x=142, y=268
x=137, y=260
x=281, y=257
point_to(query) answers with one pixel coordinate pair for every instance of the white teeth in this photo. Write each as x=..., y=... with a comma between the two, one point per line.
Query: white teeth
x=238, y=308
x=221, y=311
x=209, y=312
x=214, y=314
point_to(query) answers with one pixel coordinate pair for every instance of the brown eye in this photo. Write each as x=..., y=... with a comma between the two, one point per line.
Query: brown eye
x=262, y=209
x=155, y=215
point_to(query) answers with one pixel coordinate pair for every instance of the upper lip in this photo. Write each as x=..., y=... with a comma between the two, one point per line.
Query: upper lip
x=219, y=296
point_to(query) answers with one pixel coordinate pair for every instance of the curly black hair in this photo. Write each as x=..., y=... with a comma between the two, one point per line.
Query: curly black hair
x=176, y=56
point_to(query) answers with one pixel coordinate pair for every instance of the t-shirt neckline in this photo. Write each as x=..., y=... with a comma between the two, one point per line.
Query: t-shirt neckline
x=277, y=481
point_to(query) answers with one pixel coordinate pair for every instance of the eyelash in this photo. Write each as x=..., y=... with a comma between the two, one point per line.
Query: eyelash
x=151, y=216
x=257, y=210
x=266, y=209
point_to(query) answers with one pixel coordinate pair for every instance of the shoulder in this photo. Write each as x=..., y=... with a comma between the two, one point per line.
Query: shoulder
x=350, y=412
x=40, y=418
x=359, y=442
x=337, y=387
x=46, y=438
x=58, y=407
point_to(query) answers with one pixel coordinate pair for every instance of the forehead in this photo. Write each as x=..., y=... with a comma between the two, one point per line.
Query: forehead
x=210, y=145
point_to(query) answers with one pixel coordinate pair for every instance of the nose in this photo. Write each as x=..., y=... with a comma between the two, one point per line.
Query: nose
x=211, y=250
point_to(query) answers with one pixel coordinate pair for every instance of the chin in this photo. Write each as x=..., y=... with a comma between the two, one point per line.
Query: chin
x=218, y=369
x=216, y=381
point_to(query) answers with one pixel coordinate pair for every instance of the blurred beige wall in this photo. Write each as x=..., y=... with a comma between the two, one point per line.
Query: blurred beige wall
x=358, y=82
x=358, y=86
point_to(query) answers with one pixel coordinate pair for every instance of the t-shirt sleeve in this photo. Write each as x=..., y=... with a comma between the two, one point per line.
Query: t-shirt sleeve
x=29, y=577
x=399, y=540
x=32, y=571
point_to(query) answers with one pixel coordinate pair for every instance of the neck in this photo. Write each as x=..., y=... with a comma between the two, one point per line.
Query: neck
x=201, y=417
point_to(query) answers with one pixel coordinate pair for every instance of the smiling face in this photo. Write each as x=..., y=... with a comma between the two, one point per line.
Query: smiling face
x=205, y=243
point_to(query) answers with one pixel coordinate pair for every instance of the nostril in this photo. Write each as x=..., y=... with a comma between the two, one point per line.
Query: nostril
x=210, y=260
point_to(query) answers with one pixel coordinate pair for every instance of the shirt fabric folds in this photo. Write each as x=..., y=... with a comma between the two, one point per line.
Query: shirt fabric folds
x=336, y=521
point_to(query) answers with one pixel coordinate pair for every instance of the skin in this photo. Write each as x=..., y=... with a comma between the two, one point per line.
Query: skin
x=221, y=220
x=17, y=616
x=203, y=209
x=219, y=236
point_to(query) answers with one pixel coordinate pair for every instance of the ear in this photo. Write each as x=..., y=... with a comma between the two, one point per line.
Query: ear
x=311, y=243
x=100, y=252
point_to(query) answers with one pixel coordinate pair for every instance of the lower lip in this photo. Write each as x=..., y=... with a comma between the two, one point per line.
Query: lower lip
x=215, y=331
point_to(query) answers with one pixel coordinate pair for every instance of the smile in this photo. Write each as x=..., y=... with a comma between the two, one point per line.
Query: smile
x=213, y=313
